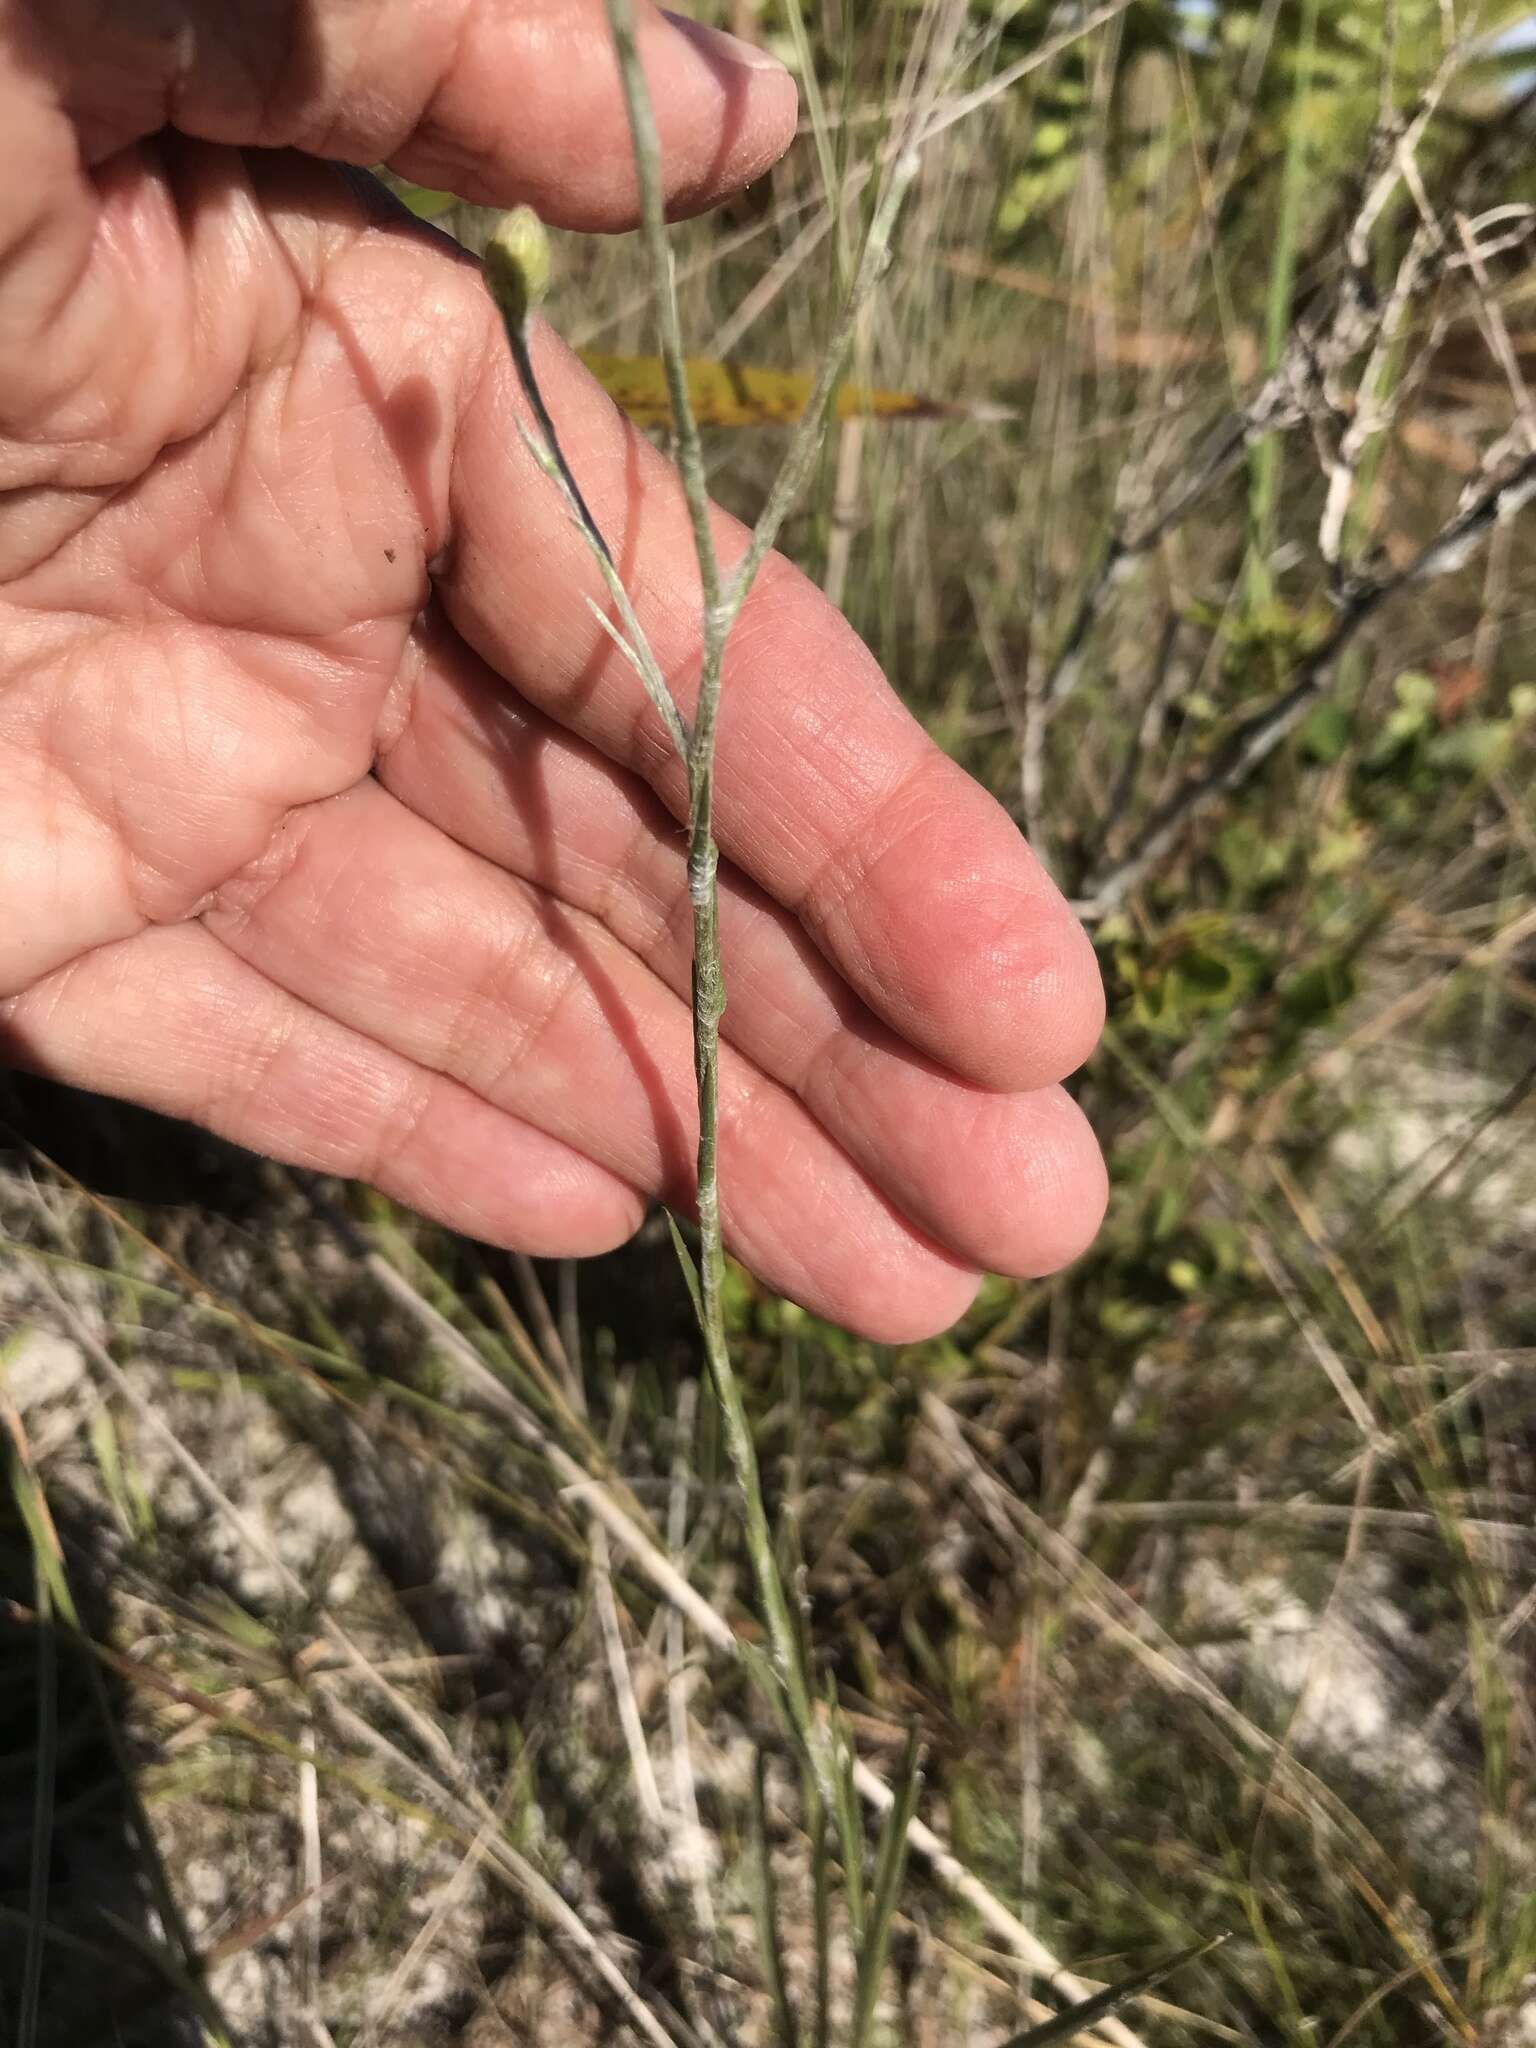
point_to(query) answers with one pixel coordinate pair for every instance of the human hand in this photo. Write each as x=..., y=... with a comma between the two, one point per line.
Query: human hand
x=331, y=818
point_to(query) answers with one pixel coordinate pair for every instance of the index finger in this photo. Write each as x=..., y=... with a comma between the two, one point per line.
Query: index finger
x=911, y=879
x=501, y=102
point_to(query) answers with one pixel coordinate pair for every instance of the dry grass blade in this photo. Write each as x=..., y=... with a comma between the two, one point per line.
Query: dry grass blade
x=643, y=1549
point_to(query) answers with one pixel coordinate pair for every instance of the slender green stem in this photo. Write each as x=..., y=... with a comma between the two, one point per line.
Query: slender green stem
x=627, y=636
x=821, y=131
x=890, y=1864
x=517, y=268
x=1264, y=489
x=709, y=997
x=816, y=1825
x=720, y=610
x=516, y=271
x=708, y=1008
x=632, y=642
x=765, y=1908
x=800, y=460
x=522, y=356
x=658, y=249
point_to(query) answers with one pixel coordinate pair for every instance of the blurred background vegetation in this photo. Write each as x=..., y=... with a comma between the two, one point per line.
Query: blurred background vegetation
x=1206, y=1570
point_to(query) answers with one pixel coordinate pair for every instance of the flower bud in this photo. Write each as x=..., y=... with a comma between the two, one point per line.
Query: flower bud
x=517, y=265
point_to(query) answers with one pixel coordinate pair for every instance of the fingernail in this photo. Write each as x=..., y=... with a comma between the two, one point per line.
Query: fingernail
x=721, y=46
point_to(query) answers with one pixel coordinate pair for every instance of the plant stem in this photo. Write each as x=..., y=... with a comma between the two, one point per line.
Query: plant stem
x=518, y=338
x=708, y=1008
x=653, y=221
x=800, y=460
x=1265, y=466
x=517, y=279
x=632, y=642
x=708, y=977
x=721, y=608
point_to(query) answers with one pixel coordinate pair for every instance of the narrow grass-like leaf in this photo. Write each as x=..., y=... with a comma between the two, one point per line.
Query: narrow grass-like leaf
x=848, y=1816
x=425, y=201
x=1065, y=2026
x=690, y=1268
x=187, y=1303
x=890, y=1867
x=28, y=1497
x=44, y=1784
x=821, y=131
x=821, y=1903
x=765, y=1914
x=129, y=1504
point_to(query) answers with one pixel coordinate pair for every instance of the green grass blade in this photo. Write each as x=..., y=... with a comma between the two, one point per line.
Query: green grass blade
x=765, y=1915
x=818, y=1827
x=690, y=1268
x=848, y=1818
x=1089, y=2011
x=890, y=1867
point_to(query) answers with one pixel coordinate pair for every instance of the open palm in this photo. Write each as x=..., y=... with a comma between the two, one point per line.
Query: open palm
x=331, y=818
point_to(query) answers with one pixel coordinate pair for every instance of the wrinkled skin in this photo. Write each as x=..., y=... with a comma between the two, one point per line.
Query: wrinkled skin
x=330, y=818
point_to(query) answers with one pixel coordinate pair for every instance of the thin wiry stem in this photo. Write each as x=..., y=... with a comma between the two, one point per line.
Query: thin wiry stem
x=658, y=249
x=803, y=449
x=631, y=642
x=517, y=275
x=722, y=605
x=685, y=1798
x=516, y=272
x=518, y=339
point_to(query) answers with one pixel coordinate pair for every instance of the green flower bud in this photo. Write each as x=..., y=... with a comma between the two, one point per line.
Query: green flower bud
x=517, y=265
